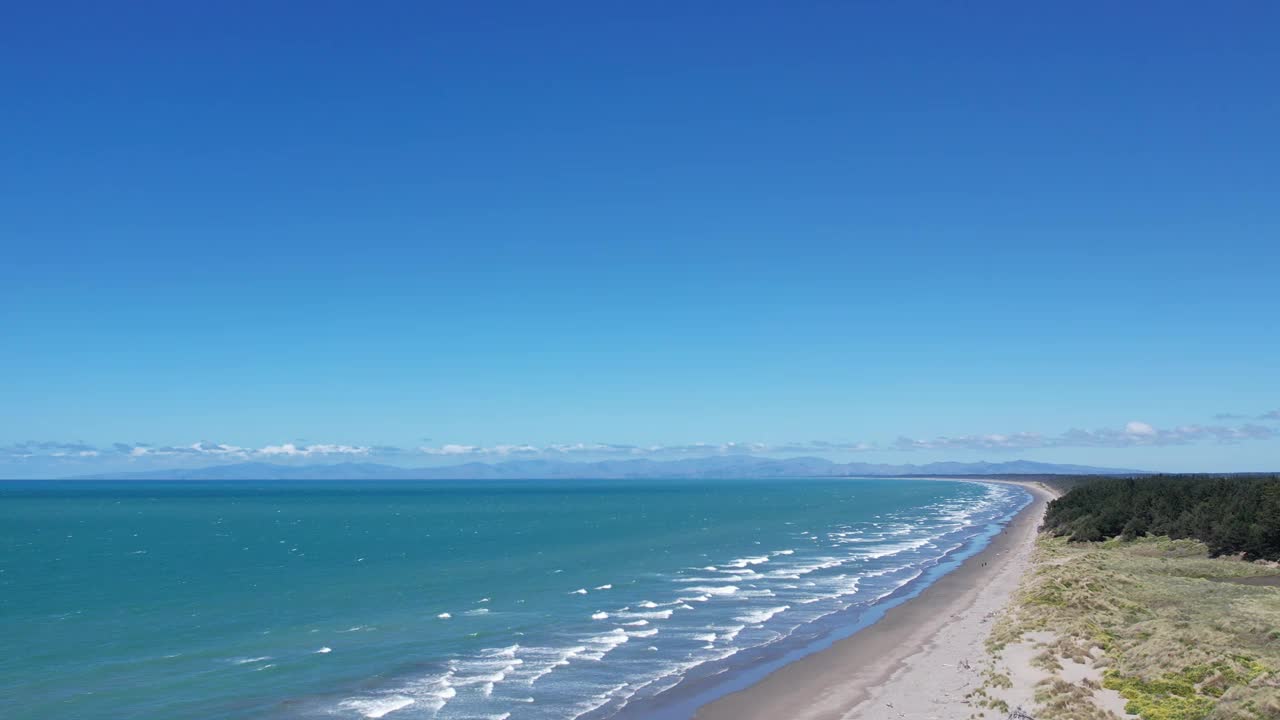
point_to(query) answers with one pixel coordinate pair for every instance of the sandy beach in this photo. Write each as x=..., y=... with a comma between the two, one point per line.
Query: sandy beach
x=918, y=661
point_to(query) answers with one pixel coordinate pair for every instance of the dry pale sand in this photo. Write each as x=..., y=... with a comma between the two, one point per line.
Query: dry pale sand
x=1017, y=663
x=918, y=661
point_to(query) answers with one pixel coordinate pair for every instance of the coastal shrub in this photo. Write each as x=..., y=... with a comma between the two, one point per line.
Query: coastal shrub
x=1061, y=700
x=1173, y=643
x=1254, y=701
x=1047, y=660
x=999, y=680
x=1168, y=698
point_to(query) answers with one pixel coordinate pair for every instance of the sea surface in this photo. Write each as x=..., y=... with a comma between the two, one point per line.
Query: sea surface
x=523, y=599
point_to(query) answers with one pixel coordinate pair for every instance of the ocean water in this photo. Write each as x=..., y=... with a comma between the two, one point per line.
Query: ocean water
x=529, y=599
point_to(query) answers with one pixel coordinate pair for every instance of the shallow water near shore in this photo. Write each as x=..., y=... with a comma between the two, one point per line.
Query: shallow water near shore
x=528, y=599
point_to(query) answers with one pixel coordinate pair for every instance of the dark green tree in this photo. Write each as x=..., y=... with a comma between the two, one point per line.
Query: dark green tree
x=1229, y=514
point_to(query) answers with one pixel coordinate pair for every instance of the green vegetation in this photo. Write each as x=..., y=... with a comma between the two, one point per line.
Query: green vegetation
x=1186, y=695
x=1175, y=644
x=1228, y=514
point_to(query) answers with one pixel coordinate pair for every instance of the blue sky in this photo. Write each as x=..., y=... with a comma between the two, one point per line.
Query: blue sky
x=911, y=231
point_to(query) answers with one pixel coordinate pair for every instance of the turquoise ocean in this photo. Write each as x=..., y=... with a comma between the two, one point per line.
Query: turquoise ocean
x=521, y=599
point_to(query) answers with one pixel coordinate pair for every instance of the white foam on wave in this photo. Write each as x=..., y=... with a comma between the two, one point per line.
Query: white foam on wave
x=635, y=623
x=903, y=528
x=246, y=661
x=647, y=604
x=550, y=659
x=729, y=634
x=744, y=562
x=430, y=693
x=652, y=615
x=743, y=575
x=884, y=571
x=597, y=701
x=605, y=587
x=601, y=615
x=794, y=571
x=674, y=673
x=760, y=617
x=643, y=633
x=502, y=654
x=444, y=616
x=895, y=588
x=883, y=551
x=859, y=540
x=715, y=590
x=600, y=645
x=490, y=668
x=843, y=585
x=579, y=591
x=849, y=585
x=379, y=706
x=477, y=611
x=323, y=651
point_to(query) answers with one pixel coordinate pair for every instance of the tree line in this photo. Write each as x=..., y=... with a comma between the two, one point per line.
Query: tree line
x=1230, y=514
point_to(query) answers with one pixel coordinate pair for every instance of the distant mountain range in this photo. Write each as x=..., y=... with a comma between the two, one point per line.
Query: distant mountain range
x=712, y=467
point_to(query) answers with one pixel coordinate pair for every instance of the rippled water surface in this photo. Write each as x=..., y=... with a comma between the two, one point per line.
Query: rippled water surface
x=529, y=599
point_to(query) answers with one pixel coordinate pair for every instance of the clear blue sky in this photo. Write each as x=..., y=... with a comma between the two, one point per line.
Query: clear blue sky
x=481, y=224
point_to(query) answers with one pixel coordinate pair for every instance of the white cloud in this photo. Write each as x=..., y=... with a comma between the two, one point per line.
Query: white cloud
x=195, y=450
x=452, y=450
x=635, y=451
x=219, y=449
x=993, y=441
x=1140, y=429
x=287, y=449
x=1134, y=433
x=291, y=450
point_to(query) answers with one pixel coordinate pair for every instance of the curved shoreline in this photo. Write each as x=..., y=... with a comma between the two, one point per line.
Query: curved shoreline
x=913, y=659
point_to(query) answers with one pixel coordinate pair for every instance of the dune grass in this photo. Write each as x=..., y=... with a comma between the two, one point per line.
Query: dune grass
x=1174, y=644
